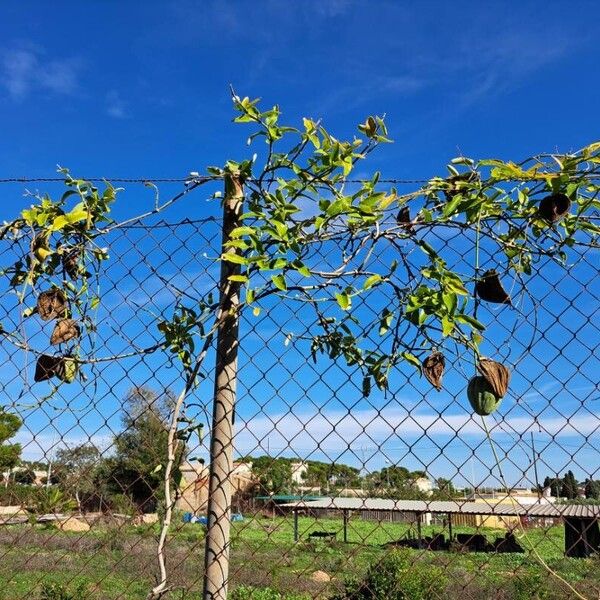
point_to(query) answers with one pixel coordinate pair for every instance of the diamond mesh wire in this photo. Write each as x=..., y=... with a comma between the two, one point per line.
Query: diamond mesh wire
x=304, y=429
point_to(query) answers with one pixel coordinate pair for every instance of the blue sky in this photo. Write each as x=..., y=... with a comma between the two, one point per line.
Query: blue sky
x=117, y=89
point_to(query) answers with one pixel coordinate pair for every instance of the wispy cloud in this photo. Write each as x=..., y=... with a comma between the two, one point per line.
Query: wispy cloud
x=25, y=71
x=115, y=105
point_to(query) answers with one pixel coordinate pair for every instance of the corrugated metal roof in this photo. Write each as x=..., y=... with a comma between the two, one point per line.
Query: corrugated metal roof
x=507, y=508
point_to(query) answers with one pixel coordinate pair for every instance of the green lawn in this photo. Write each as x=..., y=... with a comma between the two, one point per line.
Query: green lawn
x=121, y=563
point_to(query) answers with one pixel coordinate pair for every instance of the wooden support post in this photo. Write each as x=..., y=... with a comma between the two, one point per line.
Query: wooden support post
x=296, y=536
x=216, y=558
x=345, y=526
x=419, y=534
x=450, y=526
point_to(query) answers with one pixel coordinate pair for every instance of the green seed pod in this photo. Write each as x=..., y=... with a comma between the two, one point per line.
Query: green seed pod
x=481, y=396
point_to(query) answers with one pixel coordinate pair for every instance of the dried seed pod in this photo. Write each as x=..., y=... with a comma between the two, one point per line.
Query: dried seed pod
x=67, y=370
x=433, y=368
x=490, y=289
x=64, y=330
x=552, y=208
x=46, y=367
x=496, y=374
x=52, y=304
x=71, y=264
x=481, y=396
x=403, y=218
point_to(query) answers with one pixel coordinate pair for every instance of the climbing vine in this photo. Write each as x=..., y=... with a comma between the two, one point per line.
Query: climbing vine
x=315, y=234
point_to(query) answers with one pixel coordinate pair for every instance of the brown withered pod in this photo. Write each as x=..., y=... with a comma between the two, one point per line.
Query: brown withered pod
x=46, y=367
x=52, y=304
x=433, y=368
x=489, y=288
x=71, y=264
x=554, y=207
x=64, y=330
x=496, y=374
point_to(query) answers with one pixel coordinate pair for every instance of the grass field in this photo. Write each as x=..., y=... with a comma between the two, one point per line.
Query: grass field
x=121, y=563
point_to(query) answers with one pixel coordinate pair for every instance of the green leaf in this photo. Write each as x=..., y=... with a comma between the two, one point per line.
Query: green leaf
x=343, y=300
x=279, y=282
x=386, y=320
x=454, y=284
x=412, y=359
x=371, y=281
x=447, y=326
x=240, y=231
x=240, y=278
x=470, y=321
x=75, y=216
x=427, y=248
x=236, y=259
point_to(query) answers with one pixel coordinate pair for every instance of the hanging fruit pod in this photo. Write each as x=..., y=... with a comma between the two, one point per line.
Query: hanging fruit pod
x=489, y=288
x=63, y=367
x=481, y=396
x=554, y=207
x=496, y=374
x=64, y=330
x=52, y=304
x=71, y=264
x=433, y=368
x=403, y=219
x=45, y=367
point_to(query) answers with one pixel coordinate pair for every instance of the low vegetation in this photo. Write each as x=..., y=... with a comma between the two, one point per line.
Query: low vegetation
x=112, y=562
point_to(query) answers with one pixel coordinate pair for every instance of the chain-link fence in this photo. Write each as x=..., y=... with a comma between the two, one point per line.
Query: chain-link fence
x=399, y=493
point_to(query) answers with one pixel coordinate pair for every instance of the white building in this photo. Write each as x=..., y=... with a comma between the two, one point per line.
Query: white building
x=299, y=469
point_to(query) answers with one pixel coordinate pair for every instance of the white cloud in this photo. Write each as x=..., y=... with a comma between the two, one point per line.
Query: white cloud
x=338, y=431
x=25, y=71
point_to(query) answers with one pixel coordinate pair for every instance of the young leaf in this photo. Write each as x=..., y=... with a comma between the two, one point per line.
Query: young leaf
x=343, y=300
x=240, y=278
x=412, y=359
x=279, y=282
x=371, y=281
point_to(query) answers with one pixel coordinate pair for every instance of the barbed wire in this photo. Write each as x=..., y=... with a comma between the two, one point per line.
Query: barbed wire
x=177, y=179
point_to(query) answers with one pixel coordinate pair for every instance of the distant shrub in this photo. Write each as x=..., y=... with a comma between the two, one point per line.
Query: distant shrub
x=397, y=577
x=59, y=591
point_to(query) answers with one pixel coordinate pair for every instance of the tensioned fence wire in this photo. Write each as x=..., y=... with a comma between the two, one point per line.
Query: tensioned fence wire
x=303, y=430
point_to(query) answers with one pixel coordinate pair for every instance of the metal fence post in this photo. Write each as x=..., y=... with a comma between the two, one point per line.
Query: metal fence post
x=216, y=559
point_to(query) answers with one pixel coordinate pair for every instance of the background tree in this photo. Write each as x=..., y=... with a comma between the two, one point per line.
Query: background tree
x=592, y=489
x=74, y=469
x=25, y=476
x=9, y=453
x=326, y=475
x=141, y=449
x=274, y=475
x=395, y=482
x=445, y=488
x=569, y=487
